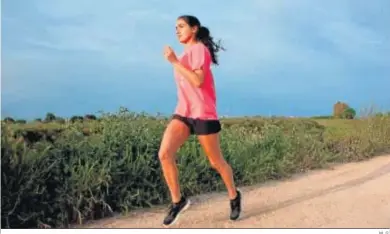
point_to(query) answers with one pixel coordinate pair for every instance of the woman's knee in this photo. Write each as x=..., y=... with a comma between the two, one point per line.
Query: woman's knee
x=165, y=156
x=219, y=164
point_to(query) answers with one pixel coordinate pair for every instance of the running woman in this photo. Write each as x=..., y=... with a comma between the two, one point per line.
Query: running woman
x=195, y=113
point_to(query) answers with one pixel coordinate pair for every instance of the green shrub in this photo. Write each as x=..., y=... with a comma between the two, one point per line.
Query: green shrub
x=88, y=170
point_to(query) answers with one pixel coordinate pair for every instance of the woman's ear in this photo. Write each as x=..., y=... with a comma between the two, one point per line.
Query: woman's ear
x=195, y=29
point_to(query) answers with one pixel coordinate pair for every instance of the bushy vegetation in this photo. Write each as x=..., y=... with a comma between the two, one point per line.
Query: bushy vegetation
x=59, y=173
x=342, y=110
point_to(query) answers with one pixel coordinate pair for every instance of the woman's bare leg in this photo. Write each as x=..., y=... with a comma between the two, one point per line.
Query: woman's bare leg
x=174, y=137
x=211, y=146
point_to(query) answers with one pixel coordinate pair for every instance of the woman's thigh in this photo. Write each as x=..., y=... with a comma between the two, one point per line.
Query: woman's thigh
x=174, y=137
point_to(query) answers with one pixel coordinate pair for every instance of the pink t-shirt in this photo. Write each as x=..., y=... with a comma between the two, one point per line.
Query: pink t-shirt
x=194, y=102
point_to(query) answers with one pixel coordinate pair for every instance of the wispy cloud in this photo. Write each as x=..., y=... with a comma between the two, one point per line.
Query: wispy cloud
x=112, y=32
x=285, y=48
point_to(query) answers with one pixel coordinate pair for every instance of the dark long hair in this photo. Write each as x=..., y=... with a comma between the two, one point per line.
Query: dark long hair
x=203, y=35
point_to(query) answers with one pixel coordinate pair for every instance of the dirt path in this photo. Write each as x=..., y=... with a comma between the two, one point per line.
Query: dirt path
x=352, y=195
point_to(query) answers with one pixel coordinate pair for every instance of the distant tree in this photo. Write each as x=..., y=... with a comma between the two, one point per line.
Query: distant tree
x=379, y=114
x=21, y=121
x=50, y=117
x=76, y=118
x=90, y=117
x=9, y=120
x=349, y=113
x=38, y=120
x=123, y=110
x=382, y=114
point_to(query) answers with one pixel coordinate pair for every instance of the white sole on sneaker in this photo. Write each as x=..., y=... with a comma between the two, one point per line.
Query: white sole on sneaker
x=177, y=217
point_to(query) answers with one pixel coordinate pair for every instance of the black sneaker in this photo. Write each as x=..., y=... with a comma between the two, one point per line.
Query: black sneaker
x=174, y=211
x=235, y=207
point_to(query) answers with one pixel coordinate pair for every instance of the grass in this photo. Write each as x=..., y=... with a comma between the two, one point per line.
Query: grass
x=59, y=174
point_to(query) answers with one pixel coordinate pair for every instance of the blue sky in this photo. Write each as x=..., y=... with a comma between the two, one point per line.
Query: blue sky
x=283, y=57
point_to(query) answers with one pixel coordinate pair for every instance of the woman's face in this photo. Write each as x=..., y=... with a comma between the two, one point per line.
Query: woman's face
x=184, y=31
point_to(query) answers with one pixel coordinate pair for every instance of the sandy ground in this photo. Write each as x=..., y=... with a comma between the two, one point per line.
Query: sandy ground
x=355, y=195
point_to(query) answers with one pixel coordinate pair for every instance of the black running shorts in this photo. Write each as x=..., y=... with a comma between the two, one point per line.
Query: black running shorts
x=199, y=126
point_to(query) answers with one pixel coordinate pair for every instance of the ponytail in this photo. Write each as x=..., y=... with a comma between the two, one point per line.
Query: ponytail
x=204, y=36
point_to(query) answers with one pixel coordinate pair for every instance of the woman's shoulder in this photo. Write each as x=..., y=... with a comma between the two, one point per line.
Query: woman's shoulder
x=197, y=47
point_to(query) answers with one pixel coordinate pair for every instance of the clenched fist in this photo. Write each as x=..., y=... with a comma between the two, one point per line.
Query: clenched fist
x=169, y=54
